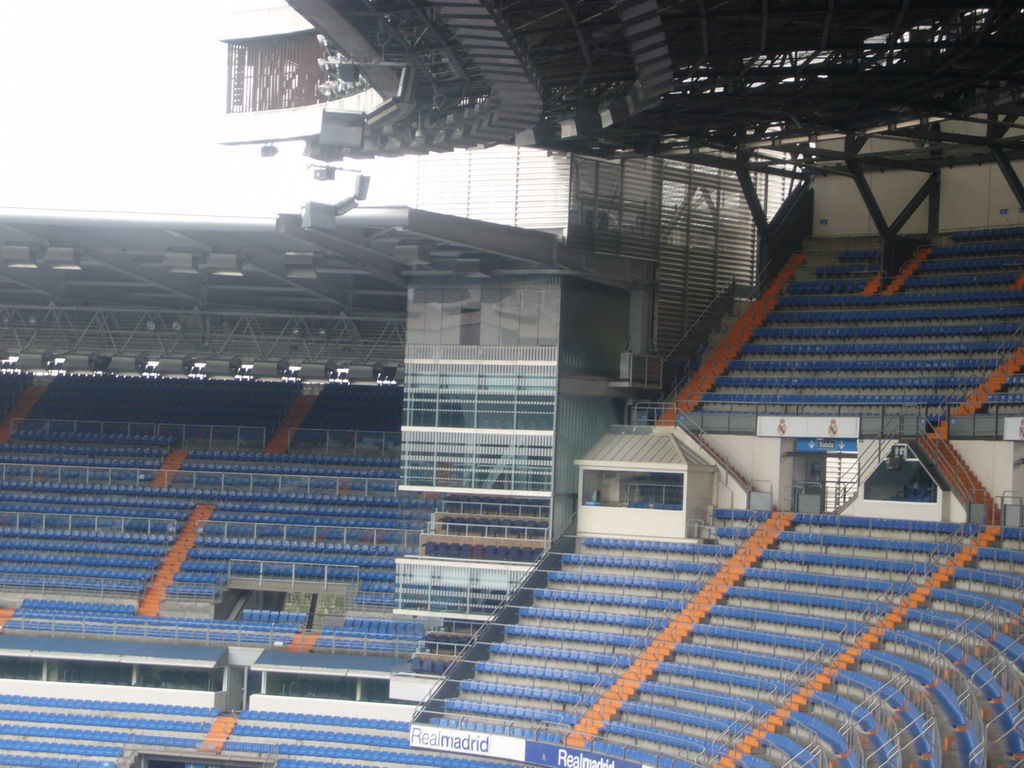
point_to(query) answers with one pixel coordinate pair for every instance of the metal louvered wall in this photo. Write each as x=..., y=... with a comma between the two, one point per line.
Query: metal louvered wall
x=517, y=186
x=692, y=220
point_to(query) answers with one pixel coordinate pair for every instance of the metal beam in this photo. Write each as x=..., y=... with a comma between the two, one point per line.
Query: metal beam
x=868, y=197
x=753, y=201
x=1009, y=174
x=908, y=210
x=365, y=259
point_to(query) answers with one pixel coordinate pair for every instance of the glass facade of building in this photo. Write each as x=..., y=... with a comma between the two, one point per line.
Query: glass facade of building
x=481, y=384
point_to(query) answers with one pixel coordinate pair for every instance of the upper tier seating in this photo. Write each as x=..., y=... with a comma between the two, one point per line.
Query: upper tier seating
x=164, y=401
x=947, y=327
x=357, y=408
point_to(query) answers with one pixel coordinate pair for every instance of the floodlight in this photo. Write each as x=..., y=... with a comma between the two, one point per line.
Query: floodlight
x=18, y=257
x=226, y=264
x=99, y=362
x=57, y=257
x=180, y=262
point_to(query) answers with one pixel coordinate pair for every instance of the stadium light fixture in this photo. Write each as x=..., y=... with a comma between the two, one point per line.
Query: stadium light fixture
x=59, y=257
x=18, y=257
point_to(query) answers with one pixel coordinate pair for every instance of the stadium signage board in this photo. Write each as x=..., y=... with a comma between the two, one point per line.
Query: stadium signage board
x=558, y=756
x=829, y=427
x=468, y=742
x=1013, y=428
x=826, y=444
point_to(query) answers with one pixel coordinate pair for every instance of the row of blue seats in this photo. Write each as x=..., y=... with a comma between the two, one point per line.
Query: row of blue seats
x=510, y=711
x=960, y=249
x=32, y=433
x=341, y=509
x=330, y=642
x=895, y=315
x=841, y=270
x=970, y=264
x=202, y=465
x=390, y=627
x=101, y=450
x=633, y=581
x=611, y=598
x=299, y=458
x=880, y=300
x=859, y=331
x=261, y=615
x=858, y=254
x=878, y=348
x=649, y=545
x=334, y=526
x=121, y=462
x=826, y=286
x=579, y=677
x=156, y=621
x=147, y=631
x=127, y=558
x=850, y=382
x=670, y=565
x=37, y=733
x=889, y=524
x=30, y=514
x=860, y=364
x=322, y=547
x=528, y=692
x=205, y=558
x=574, y=655
x=991, y=232
x=104, y=721
x=37, y=604
x=975, y=278
x=135, y=497
x=499, y=552
x=34, y=534
x=762, y=398
x=99, y=705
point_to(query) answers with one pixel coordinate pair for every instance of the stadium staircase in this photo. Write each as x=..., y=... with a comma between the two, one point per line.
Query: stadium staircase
x=303, y=641
x=828, y=673
x=966, y=485
x=907, y=270
x=664, y=643
x=218, y=734
x=171, y=564
x=21, y=408
x=278, y=442
x=739, y=334
x=993, y=383
x=1019, y=285
x=172, y=461
x=5, y=614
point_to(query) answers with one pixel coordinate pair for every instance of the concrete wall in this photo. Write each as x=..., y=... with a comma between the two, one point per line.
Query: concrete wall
x=970, y=196
x=120, y=693
x=993, y=462
x=295, y=705
x=631, y=522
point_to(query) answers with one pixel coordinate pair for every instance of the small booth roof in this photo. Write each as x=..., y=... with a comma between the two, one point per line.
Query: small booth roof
x=120, y=651
x=334, y=665
x=656, y=448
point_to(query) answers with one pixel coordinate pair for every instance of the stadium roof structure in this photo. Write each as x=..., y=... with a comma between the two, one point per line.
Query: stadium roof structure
x=358, y=263
x=758, y=85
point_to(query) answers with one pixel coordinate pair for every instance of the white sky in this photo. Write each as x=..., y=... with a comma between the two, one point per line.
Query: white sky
x=116, y=105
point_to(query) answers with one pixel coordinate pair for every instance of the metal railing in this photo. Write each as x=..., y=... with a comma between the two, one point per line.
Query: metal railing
x=405, y=539
x=202, y=479
x=344, y=442
x=192, y=436
x=63, y=521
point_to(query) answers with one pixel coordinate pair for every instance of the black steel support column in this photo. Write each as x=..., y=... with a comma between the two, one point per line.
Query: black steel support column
x=1009, y=174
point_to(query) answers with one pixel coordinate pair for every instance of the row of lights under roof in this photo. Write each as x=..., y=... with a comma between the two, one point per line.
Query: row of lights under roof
x=149, y=366
x=297, y=264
